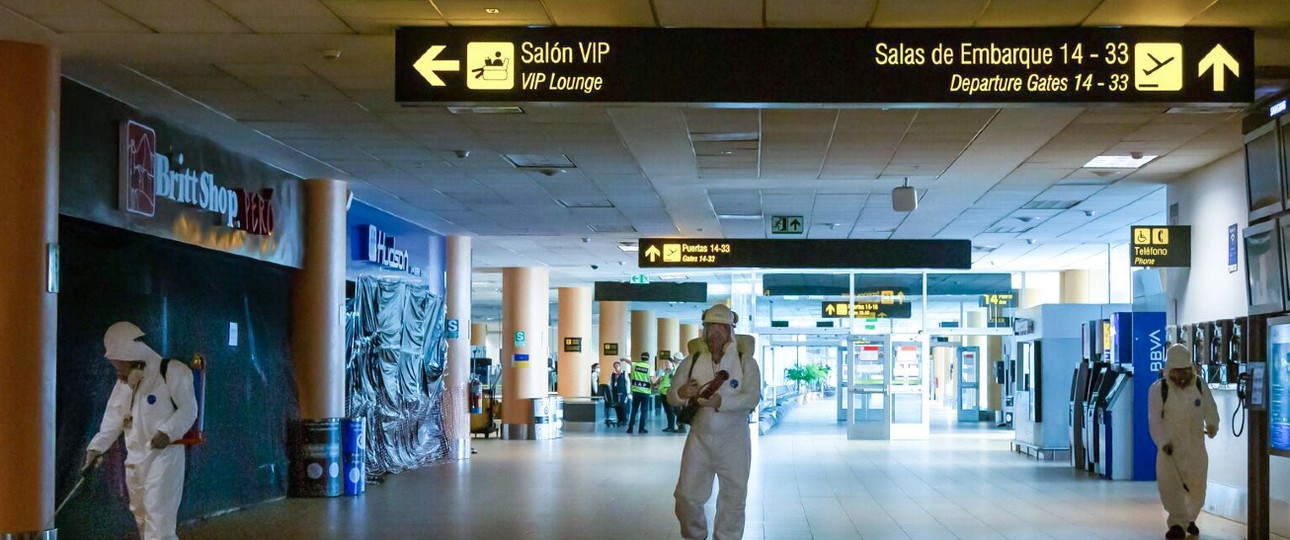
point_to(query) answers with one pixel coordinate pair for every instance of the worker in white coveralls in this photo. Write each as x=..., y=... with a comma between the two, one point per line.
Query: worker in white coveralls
x=719, y=443
x=1181, y=409
x=151, y=410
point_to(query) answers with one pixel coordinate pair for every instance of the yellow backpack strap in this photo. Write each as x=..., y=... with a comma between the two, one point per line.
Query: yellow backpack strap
x=697, y=346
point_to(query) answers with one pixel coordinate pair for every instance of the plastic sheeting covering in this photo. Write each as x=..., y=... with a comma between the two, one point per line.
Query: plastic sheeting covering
x=396, y=350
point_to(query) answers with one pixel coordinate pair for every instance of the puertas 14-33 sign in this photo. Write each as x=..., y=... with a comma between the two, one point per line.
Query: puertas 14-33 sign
x=1161, y=247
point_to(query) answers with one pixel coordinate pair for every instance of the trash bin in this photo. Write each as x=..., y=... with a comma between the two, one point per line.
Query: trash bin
x=315, y=458
x=353, y=448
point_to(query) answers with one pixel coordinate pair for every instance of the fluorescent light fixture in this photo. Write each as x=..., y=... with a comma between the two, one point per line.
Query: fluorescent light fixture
x=486, y=109
x=1118, y=162
x=1277, y=108
x=739, y=216
x=540, y=161
x=629, y=248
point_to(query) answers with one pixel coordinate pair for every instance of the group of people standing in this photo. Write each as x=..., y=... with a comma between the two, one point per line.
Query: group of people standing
x=631, y=387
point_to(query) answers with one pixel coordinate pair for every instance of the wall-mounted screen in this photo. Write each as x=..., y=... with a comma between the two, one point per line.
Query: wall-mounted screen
x=1263, y=171
x=1264, y=272
x=1279, y=385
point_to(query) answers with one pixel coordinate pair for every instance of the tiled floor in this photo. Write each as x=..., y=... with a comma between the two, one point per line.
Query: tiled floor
x=808, y=481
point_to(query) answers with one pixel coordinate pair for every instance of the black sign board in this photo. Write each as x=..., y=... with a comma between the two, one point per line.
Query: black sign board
x=665, y=355
x=573, y=344
x=865, y=310
x=617, y=291
x=610, y=349
x=1005, y=300
x=731, y=253
x=1161, y=247
x=960, y=65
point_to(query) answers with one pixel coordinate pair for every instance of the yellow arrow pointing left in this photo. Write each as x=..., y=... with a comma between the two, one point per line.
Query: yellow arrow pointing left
x=427, y=65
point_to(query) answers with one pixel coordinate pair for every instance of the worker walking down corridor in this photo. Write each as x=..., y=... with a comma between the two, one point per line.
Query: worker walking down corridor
x=153, y=404
x=719, y=444
x=1181, y=409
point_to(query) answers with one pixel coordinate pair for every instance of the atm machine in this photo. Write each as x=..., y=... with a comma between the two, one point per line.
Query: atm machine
x=1115, y=429
x=1100, y=385
x=1079, y=395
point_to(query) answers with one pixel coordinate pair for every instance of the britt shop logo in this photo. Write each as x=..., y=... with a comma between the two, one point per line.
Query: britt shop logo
x=147, y=176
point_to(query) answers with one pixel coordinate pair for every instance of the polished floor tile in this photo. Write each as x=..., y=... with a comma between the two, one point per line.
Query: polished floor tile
x=808, y=482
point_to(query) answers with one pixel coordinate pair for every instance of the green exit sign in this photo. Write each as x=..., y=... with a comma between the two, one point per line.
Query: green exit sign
x=640, y=279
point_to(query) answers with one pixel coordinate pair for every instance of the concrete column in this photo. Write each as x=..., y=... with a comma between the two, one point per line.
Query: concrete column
x=689, y=332
x=575, y=324
x=669, y=337
x=1075, y=287
x=644, y=336
x=613, y=335
x=525, y=308
x=318, y=302
x=456, y=413
x=29, y=111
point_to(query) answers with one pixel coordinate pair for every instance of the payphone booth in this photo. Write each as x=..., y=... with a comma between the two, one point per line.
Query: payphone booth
x=868, y=404
x=969, y=383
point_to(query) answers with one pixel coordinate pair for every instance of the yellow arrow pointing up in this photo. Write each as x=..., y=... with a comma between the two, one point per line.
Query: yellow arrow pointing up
x=828, y=309
x=900, y=297
x=1217, y=60
x=427, y=65
x=652, y=253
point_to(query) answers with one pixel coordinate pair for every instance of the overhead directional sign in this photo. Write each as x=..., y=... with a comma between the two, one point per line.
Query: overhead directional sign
x=617, y=291
x=1161, y=247
x=1007, y=300
x=735, y=253
x=1191, y=65
x=865, y=310
x=786, y=225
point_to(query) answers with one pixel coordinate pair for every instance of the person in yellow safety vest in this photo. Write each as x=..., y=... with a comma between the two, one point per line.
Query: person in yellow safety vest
x=641, y=393
x=663, y=384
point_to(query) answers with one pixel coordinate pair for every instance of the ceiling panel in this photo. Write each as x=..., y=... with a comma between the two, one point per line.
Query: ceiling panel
x=927, y=13
x=709, y=13
x=179, y=16
x=601, y=12
x=510, y=12
x=1014, y=13
x=383, y=16
x=1153, y=13
x=819, y=13
x=1258, y=13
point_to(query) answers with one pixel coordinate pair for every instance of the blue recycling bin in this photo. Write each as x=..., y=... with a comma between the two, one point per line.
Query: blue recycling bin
x=353, y=443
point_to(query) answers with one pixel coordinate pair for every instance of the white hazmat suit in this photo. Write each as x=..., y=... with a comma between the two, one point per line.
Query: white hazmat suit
x=719, y=443
x=1180, y=421
x=140, y=409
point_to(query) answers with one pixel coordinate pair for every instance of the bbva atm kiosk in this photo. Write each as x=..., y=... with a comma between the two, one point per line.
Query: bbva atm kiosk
x=1116, y=441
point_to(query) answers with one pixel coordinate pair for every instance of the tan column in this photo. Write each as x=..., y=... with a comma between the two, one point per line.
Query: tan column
x=479, y=336
x=318, y=302
x=613, y=337
x=525, y=317
x=1035, y=297
x=575, y=329
x=644, y=336
x=994, y=390
x=689, y=332
x=1075, y=287
x=456, y=412
x=28, y=311
x=669, y=338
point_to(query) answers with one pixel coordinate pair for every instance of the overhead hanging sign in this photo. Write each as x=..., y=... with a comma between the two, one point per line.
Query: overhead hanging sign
x=617, y=291
x=1161, y=247
x=736, y=253
x=865, y=310
x=959, y=65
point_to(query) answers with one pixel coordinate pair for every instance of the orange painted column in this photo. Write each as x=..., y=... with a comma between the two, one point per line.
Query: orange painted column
x=613, y=337
x=525, y=321
x=688, y=332
x=575, y=333
x=29, y=111
x=318, y=303
x=456, y=397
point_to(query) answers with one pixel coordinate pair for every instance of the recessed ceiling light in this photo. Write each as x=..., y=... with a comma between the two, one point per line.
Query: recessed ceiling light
x=552, y=162
x=629, y=248
x=739, y=216
x=1119, y=162
x=492, y=11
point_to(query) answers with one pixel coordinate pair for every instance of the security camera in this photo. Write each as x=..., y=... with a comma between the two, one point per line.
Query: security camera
x=595, y=267
x=331, y=54
x=462, y=154
x=1135, y=155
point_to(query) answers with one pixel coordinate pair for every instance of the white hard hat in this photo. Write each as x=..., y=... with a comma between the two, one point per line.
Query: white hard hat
x=121, y=342
x=720, y=314
x=1178, y=357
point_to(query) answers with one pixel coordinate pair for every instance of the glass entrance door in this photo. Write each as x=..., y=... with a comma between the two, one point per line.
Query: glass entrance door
x=969, y=384
x=868, y=403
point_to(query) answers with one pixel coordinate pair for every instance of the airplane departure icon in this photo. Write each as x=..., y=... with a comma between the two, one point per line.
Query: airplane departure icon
x=1158, y=63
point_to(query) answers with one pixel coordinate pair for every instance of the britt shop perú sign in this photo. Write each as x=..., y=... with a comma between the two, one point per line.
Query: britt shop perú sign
x=148, y=177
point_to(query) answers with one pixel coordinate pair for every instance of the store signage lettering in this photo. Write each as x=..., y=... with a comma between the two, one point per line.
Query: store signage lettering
x=959, y=65
x=380, y=249
x=1161, y=247
x=147, y=176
